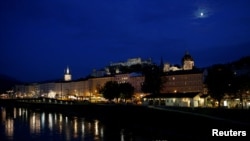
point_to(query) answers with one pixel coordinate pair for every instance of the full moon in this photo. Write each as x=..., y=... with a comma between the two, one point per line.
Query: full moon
x=201, y=14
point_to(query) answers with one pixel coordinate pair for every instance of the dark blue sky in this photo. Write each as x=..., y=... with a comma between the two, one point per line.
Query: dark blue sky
x=40, y=38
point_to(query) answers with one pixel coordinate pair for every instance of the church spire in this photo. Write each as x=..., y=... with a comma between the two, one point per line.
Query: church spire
x=67, y=70
x=67, y=75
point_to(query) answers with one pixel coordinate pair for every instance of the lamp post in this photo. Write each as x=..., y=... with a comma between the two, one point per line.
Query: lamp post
x=61, y=90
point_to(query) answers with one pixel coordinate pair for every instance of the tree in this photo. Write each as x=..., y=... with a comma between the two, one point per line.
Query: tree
x=240, y=86
x=153, y=81
x=126, y=91
x=218, y=80
x=110, y=90
x=241, y=82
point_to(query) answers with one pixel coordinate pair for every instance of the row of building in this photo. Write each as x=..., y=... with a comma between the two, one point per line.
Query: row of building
x=84, y=89
x=177, y=80
x=183, y=86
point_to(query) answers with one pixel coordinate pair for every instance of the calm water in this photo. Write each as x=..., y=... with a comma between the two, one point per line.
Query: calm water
x=22, y=124
x=25, y=124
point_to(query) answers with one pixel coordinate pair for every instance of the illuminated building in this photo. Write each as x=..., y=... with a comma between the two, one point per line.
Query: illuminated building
x=94, y=85
x=187, y=62
x=183, y=81
x=132, y=61
x=67, y=75
x=179, y=80
x=192, y=99
x=183, y=86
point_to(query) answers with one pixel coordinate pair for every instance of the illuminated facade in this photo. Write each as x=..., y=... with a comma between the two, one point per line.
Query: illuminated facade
x=94, y=85
x=132, y=61
x=136, y=81
x=187, y=62
x=121, y=78
x=82, y=89
x=183, y=86
x=183, y=81
x=193, y=99
x=178, y=80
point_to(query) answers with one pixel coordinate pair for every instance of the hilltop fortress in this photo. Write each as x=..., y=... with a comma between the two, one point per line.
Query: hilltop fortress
x=184, y=79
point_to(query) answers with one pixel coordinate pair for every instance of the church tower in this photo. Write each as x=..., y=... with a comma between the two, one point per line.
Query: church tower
x=67, y=75
x=187, y=62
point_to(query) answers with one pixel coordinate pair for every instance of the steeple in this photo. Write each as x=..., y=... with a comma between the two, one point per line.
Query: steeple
x=67, y=75
x=67, y=70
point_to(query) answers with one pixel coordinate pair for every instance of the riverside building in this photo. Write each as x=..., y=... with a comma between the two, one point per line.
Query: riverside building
x=185, y=79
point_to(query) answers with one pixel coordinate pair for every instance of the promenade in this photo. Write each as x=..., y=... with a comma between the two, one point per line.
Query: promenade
x=235, y=116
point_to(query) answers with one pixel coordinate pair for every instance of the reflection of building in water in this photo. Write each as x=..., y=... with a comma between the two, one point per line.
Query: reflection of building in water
x=38, y=124
x=8, y=123
x=43, y=121
x=3, y=115
x=60, y=123
x=75, y=128
x=35, y=123
x=9, y=127
x=50, y=121
x=96, y=128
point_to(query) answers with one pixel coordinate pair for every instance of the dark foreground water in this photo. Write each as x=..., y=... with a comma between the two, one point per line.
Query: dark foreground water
x=24, y=124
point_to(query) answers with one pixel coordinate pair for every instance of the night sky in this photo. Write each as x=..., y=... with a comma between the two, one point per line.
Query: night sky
x=40, y=38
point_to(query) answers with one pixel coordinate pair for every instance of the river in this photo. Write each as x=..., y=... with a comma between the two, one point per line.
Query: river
x=22, y=124
x=30, y=124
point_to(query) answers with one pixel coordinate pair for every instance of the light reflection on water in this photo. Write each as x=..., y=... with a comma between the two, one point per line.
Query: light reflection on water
x=25, y=124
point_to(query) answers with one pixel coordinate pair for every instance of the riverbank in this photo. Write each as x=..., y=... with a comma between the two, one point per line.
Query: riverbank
x=237, y=115
x=78, y=107
x=160, y=120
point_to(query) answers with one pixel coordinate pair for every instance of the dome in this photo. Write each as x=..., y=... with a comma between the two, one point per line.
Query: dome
x=187, y=57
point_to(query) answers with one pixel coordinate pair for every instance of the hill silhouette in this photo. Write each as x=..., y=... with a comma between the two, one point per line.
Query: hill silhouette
x=7, y=83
